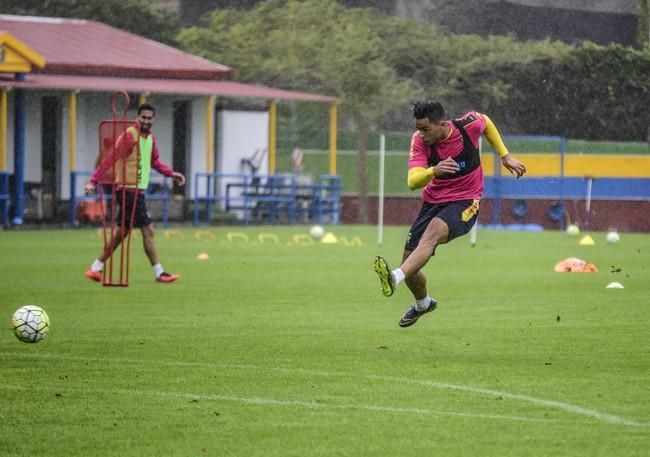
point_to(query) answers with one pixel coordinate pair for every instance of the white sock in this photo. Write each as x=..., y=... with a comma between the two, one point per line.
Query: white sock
x=158, y=270
x=97, y=265
x=398, y=276
x=422, y=303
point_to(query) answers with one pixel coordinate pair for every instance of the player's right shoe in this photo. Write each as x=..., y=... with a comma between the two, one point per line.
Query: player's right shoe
x=166, y=277
x=412, y=315
x=94, y=275
x=385, y=276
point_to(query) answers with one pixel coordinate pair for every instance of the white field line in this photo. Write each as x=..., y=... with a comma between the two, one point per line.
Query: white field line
x=568, y=407
x=276, y=402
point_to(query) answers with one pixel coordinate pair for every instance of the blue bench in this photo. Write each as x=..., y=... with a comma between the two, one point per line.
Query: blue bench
x=269, y=199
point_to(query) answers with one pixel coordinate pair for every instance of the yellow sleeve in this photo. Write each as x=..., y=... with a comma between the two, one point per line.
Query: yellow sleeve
x=419, y=177
x=493, y=137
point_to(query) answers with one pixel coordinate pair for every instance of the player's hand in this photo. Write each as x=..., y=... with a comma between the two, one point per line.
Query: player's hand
x=89, y=188
x=446, y=167
x=514, y=166
x=179, y=178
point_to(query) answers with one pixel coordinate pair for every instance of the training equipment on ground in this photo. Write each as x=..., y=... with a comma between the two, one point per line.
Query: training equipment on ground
x=572, y=229
x=317, y=232
x=575, y=265
x=30, y=323
x=613, y=237
x=587, y=241
x=614, y=285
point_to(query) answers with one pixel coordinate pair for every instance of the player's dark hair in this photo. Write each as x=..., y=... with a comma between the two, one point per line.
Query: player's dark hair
x=429, y=109
x=146, y=107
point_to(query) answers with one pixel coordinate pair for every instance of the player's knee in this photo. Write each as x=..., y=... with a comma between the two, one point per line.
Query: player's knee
x=147, y=232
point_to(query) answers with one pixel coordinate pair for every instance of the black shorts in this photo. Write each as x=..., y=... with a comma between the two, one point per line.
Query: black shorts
x=141, y=216
x=459, y=216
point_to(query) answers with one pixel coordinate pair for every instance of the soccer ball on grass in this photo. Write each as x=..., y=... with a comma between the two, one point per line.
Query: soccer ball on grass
x=317, y=232
x=572, y=229
x=613, y=237
x=30, y=323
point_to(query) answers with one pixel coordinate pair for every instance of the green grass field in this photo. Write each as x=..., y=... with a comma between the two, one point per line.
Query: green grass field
x=275, y=346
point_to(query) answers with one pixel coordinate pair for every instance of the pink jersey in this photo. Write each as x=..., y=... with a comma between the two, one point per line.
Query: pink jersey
x=467, y=187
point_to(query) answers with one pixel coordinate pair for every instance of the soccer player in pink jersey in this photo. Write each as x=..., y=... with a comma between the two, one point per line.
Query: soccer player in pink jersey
x=445, y=161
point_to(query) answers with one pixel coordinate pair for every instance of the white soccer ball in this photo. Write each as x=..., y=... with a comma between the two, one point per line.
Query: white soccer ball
x=317, y=232
x=30, y=323
x=613, y=237
x=572, y=229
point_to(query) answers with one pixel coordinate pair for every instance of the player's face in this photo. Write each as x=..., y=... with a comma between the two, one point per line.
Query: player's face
x=145, y=118
x=431, y=132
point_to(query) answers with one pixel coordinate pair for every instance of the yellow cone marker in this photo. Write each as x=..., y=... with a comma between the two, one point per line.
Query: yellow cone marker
x=587, y=241
x=329, y=238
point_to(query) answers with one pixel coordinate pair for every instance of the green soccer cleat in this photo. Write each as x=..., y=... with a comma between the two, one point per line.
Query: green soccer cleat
x=385, y=276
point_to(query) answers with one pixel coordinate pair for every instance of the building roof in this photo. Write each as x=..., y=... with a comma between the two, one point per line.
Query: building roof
x=16, y=56
x=165, y=86
x=90, y=56
x=83, y=47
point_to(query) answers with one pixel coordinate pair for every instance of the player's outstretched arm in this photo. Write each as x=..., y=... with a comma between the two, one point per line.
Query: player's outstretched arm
x=513, y=165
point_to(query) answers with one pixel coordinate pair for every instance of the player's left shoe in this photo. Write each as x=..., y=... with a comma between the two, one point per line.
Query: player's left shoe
x=166, y=277
x=94, y=275
x=412, y=315
x=385, y=276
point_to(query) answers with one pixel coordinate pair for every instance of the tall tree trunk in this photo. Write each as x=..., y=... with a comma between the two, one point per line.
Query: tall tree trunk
x=362, y=170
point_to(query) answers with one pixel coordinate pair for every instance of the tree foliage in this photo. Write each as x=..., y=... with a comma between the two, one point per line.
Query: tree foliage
x=590, y=92
x=316, y=45
x=311, y=44
x=135, y=16
x=643, y=32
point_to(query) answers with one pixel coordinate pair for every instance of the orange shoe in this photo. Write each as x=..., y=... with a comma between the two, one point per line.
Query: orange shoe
x=166, y=277
x=94, y=275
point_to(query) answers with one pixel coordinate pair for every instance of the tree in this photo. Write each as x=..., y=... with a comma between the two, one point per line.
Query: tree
x=317, y=44
x=135, y=16
x=644, y=24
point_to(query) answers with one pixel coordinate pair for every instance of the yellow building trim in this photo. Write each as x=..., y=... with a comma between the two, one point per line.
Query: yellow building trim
x=16, y=56
x=72, y=133
x=597, y=166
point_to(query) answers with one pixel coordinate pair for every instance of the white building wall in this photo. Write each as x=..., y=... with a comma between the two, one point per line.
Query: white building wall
x=242, y=134
x=239, y=135
x=33, y=139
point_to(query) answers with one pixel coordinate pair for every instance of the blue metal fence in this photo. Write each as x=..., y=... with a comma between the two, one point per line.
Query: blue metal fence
x=4, y=198
x=269, y=199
